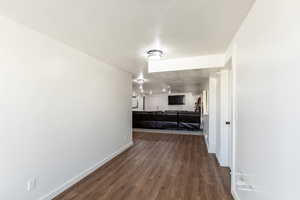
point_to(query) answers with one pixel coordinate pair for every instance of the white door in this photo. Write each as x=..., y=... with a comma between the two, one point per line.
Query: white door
x=225, y=133
x=229, y=121
x=223, y=122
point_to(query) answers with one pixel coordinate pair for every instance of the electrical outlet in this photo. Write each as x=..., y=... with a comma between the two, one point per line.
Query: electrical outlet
x=31, y=184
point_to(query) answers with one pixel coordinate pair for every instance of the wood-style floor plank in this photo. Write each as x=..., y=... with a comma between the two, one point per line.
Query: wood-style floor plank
x=157, y=167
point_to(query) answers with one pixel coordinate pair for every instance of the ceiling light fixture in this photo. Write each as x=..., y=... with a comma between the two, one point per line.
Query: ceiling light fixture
x=154, y=54
x=140, y=81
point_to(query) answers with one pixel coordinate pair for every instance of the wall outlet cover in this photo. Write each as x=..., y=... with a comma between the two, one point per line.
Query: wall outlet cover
x=31, y=184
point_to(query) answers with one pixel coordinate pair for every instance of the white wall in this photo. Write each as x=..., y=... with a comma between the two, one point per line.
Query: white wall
x=158, y=102
x=188, y=63
x=268, y=85
x=206, y=116
x=212, y=115
x=61, y=112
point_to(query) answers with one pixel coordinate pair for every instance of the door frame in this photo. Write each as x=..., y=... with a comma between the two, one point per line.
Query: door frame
x=231, y=55
x=214, y=80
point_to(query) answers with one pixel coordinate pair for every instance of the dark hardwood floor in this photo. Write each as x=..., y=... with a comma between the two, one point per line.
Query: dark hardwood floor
x=157, y=167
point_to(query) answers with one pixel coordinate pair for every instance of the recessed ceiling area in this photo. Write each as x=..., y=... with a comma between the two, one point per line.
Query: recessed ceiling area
x=121, y=32
x=177, y=81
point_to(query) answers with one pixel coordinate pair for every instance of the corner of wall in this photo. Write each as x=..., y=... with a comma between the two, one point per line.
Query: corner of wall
x=84, y=173
x=235, y=194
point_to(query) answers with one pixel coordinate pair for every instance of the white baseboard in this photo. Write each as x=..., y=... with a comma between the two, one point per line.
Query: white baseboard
x=235, y=195
x=83, y=174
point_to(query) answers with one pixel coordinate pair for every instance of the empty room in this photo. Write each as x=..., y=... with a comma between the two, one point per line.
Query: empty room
x=149, y=100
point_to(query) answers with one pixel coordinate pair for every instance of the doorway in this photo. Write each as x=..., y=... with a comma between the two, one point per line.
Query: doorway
x=230, y=122
x=231, y=116
x=222, y=123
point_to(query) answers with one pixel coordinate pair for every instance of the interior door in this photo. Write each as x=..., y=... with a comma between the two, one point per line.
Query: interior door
x=230, y=116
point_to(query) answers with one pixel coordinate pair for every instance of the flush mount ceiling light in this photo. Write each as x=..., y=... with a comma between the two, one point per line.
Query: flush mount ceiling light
x=154, y=54
x=140, y=81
